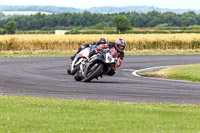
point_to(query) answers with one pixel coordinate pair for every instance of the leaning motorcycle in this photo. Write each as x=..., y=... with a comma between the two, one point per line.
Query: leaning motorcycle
x=75, y=64
x=98, y=65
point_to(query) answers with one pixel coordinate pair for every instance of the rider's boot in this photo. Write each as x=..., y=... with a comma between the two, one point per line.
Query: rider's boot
x=72, y=57
x=68, y=71
x=112, y=72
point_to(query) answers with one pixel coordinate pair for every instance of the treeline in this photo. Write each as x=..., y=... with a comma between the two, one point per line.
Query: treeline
x=87, y=19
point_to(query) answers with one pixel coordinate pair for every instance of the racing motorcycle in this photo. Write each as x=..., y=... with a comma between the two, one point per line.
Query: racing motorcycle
x=98, y=65
x=75, y=64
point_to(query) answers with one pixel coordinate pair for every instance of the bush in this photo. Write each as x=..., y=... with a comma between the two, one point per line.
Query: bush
x=2, y=31
x=74, y=31
x=35, y=32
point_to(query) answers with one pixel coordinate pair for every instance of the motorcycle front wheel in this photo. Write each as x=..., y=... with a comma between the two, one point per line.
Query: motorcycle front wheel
x=76, y=68
x=94, y=73
x=78, y=76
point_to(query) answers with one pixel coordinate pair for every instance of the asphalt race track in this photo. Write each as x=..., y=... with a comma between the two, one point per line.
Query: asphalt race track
x=47, y=77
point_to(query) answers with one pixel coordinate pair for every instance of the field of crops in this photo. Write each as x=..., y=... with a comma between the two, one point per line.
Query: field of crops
x=72, y=42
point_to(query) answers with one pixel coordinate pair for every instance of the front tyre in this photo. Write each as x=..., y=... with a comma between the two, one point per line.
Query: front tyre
x=94, y=74
x=68, y=71
x=76, y=68
x=78, y=76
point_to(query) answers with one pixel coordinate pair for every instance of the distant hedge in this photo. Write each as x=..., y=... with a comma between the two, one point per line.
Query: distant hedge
x=135, y=32
x=108, y=32
x=35, y=32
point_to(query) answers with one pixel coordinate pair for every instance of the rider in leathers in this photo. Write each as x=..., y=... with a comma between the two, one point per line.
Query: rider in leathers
x=119, y=46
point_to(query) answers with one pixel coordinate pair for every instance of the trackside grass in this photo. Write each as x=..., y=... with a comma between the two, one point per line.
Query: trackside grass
x=70, y=53
x=39, y=115
x=186, y=72
x=35, y=54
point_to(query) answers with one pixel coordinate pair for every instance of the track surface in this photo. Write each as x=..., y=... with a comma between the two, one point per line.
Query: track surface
x=47, y=77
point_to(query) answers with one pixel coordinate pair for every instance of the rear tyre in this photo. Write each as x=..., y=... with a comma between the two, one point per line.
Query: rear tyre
x=94, y=74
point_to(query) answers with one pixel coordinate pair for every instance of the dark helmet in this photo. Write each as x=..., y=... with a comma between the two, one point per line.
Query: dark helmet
x=102, y=40
x=120, y=44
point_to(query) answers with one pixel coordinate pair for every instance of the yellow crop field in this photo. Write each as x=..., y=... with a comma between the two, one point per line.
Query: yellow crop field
x=72, y=42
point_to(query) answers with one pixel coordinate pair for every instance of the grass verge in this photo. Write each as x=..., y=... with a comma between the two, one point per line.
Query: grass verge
x=186, y=72
x=39, y=115
x=70, y=53
x=36, y=53
x=164, y=52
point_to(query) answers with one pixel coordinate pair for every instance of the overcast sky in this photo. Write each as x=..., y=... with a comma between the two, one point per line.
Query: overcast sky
x=180, y=4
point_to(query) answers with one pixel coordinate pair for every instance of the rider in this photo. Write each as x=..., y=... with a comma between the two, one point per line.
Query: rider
x=101, y=40
x=119, y=46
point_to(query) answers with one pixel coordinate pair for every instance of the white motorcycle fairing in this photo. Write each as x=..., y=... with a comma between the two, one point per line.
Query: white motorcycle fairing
x=84, y=53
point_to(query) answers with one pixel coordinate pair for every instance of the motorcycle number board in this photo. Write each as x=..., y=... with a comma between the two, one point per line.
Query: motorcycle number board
x=109, y=58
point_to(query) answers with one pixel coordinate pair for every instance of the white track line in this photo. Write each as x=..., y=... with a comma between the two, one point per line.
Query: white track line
x=135, y=73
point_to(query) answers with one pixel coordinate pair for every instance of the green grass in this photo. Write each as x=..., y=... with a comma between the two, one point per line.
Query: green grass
x=35, y=54
x=66, y=53
x=186, y=72
x=163, y=52
x=41, y=115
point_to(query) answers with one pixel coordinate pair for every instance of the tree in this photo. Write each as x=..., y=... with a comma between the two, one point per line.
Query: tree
x=101, y=26
x=2, y=31
x=87, y=19
x=11, y=27
x=121, y=23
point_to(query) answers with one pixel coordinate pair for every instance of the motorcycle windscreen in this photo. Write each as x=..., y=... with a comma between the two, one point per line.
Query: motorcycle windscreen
x=84, y=53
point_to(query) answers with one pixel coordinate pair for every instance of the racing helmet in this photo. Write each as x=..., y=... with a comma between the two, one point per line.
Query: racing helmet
x=120, y=44
x=102, y=40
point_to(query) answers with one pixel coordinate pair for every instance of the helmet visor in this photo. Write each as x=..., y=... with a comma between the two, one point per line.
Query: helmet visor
x=121, y=47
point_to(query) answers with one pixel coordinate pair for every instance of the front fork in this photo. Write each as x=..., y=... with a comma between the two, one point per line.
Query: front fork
x=73, y=63
x=82, y=66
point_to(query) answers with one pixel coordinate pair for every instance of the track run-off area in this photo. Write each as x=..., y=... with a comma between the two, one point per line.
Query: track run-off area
x=47, y=77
